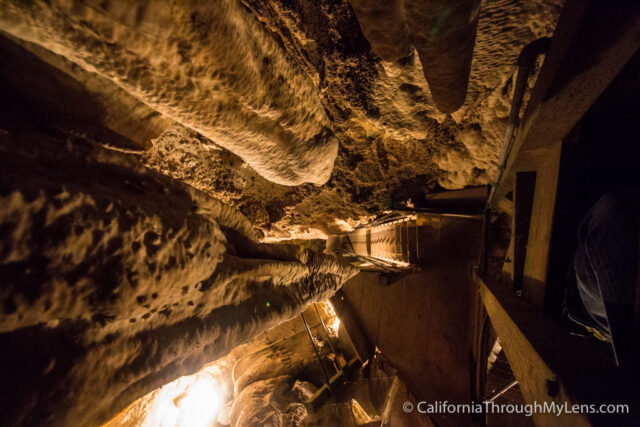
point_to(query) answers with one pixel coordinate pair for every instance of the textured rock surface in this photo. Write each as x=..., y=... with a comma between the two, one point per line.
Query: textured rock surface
x=383, y=113
x=394, y=145
x=117, y=280
x=263, y=382
x=267, y=381
x=263, y=379
x=443, y=33
x=384, y=24
x=48, y=92
x=211, y=67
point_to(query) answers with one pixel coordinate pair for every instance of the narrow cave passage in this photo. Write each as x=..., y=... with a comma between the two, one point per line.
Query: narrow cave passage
x=319, y=213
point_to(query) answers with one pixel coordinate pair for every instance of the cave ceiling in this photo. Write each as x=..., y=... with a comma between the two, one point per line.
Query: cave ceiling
x=152, y=156
x=281, y=108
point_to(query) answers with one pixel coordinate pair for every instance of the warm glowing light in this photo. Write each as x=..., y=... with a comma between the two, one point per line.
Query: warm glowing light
x=201, y=404
x=294, y=233
x=333, y=324
x=334, y=327
x=187, y=402
x=329, y=308
x=343, y=225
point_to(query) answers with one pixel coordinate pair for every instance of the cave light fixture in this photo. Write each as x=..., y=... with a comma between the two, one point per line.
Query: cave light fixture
x=192, y=401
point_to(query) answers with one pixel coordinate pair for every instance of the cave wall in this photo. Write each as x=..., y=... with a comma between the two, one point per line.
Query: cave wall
x=443, y=33
x=45, y=91
x=271, y=363
x=210, y=67
x=117, y=280
x=394, y=144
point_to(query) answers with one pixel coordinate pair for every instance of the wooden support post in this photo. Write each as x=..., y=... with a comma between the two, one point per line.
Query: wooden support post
x=525, y=189
x=536, y=264
x=538, y=382
x=593, y=40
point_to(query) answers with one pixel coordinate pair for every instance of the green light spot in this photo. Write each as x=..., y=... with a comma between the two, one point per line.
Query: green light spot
x=268, y=304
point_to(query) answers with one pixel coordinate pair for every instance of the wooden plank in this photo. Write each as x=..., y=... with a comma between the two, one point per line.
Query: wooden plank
x=391, y=324
x=592, y=42
x=541, y=349
x=524, y=198
x=324, y=393
x=598, y=156
x=538, y=382
x=506, y=206
x=466, y=200
x=539, y=240
x=363, y=348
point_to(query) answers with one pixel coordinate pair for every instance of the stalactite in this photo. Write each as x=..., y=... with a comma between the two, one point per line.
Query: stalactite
x=117, y=280
x=211, y=67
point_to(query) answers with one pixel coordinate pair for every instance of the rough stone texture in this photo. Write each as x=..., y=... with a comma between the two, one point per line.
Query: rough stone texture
x=188, y=157
x=394, y=144
x=264, y=378
x=383, y=113
x=117, y=280
x=384, y=24
x=267, y=381
x=211, y=67
x=255, y=380
x=47, y=91
x=444, y=33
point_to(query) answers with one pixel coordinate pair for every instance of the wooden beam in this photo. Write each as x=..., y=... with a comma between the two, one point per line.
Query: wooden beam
x=538, y=382
x=524, y=198
x=507, y=206
x=592, y=42
x=362, y=347
x=552, y=364
x=536, y=264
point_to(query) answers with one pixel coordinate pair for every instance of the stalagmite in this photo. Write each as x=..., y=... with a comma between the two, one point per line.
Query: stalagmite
x=150, y=151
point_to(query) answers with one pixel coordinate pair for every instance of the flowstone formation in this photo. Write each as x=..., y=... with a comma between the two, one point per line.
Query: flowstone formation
x=265, y=92
x=394, y=145
x=117, y=280
x=210, y=67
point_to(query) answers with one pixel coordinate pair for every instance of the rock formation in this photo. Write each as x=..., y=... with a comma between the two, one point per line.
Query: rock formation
x=147, y=148
x=443, y=32
x=394, y=145
x=212, y=68
x=117, y=280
